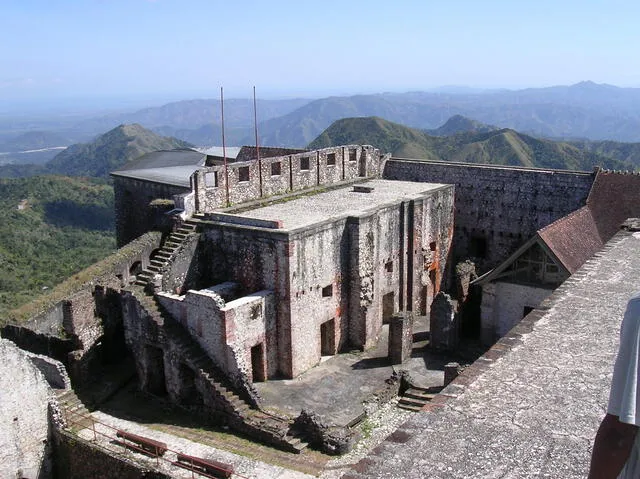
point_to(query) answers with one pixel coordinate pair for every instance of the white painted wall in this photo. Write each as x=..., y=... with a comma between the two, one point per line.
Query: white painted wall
x=503, y=306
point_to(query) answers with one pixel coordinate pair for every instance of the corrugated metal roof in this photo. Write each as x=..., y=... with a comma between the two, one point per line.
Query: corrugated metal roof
x=172, y=167
x=165, y=158
x=231, y=151
x=170, y=175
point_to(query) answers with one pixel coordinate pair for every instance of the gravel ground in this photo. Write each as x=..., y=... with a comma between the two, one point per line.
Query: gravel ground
x=375, y=428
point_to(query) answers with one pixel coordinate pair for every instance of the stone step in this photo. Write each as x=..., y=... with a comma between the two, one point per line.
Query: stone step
x=158, y=263
x=420, y=394
x=297, y=444
x=410, y=407
x=412, y=402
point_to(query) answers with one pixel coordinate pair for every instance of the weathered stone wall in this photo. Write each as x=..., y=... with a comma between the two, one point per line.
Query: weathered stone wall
x=134, y=215
x=184, y=271
x=73, y=319
x=276, y=178
x=503, y=307
x=24, y=421
x=227, y=331
x=257, y=259
x=249, y=180
x=79, y=459
x=498, y=208
x=319, y=257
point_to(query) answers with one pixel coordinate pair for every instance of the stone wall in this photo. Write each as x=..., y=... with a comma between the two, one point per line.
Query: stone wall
x=79, y=459
x=251, y=180
x=72, y=320
x=503, y=306
x=24, y=421
x=498, y=208
x=134, y=214
x=227, y=331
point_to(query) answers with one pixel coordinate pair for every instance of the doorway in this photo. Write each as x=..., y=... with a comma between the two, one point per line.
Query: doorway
x=328, y=338
x=388, y=306
x=155, y=380
x=257, y=363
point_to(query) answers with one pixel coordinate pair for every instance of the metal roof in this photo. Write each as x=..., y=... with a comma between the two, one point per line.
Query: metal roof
x=172, y=167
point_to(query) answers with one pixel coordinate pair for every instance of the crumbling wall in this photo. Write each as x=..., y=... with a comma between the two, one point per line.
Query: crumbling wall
x=226, y=331
x=24, y=421
x=257, y=259
x=497, y=208
x=69, y=323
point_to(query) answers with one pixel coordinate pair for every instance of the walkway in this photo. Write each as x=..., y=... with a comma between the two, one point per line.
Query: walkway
x=531, y=406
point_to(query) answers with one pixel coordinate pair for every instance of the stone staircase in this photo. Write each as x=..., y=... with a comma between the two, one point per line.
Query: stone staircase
x=415, y=398
x=243, y=416
x=164, y=256
x=75, y=412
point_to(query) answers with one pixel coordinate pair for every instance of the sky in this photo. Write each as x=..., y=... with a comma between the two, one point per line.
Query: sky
x=138, y=50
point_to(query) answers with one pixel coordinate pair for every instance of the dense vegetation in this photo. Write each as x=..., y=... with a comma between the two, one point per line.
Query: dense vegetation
x=51, y=227
x=479, y=145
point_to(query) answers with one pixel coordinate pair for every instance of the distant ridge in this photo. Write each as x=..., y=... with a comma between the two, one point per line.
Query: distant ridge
x=461, y=124
x=485, y=145
x=101, y=156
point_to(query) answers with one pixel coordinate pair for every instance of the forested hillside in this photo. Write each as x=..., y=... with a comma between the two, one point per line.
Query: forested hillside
x=51, y=227
x=480, y=145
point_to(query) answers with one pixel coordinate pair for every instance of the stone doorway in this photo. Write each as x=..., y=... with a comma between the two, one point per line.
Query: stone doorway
x=257, y=363
x=388, y=306
x=155, y=376
x=328, y=338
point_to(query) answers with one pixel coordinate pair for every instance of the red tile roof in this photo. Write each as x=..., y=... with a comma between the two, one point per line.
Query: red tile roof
x=573, y=239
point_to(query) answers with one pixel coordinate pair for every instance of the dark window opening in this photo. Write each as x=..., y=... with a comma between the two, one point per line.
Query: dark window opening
x=331, y=159
x=388, y=266
x=256, y=311
x=478, y=247
x=243, y=173
x=432, y=246
x=304, y=163
x=276, y=169
x=136, y=268
x=353, y=155
x=327, y=291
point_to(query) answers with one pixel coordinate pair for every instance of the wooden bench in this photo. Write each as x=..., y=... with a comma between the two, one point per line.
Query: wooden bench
x=206, y=467
x=149, y=447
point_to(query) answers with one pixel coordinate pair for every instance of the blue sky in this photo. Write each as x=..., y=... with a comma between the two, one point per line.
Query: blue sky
x=183, y=49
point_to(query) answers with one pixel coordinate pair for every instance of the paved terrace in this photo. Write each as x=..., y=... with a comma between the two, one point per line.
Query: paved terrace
x=309, y=210
x=531, y=406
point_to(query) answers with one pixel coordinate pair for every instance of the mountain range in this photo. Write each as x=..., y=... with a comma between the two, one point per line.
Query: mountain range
x=473, y=142
x=584, y=111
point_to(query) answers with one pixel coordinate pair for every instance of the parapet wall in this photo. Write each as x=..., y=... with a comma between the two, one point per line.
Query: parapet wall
x=497, y=208
x=217, y=187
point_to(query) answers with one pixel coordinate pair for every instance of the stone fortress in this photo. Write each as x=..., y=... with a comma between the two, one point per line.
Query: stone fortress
x=238, y=270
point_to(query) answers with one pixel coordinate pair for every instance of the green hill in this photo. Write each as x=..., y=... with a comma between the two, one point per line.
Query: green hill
x=51, y=227
x=110, y=151
x=480, y=145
